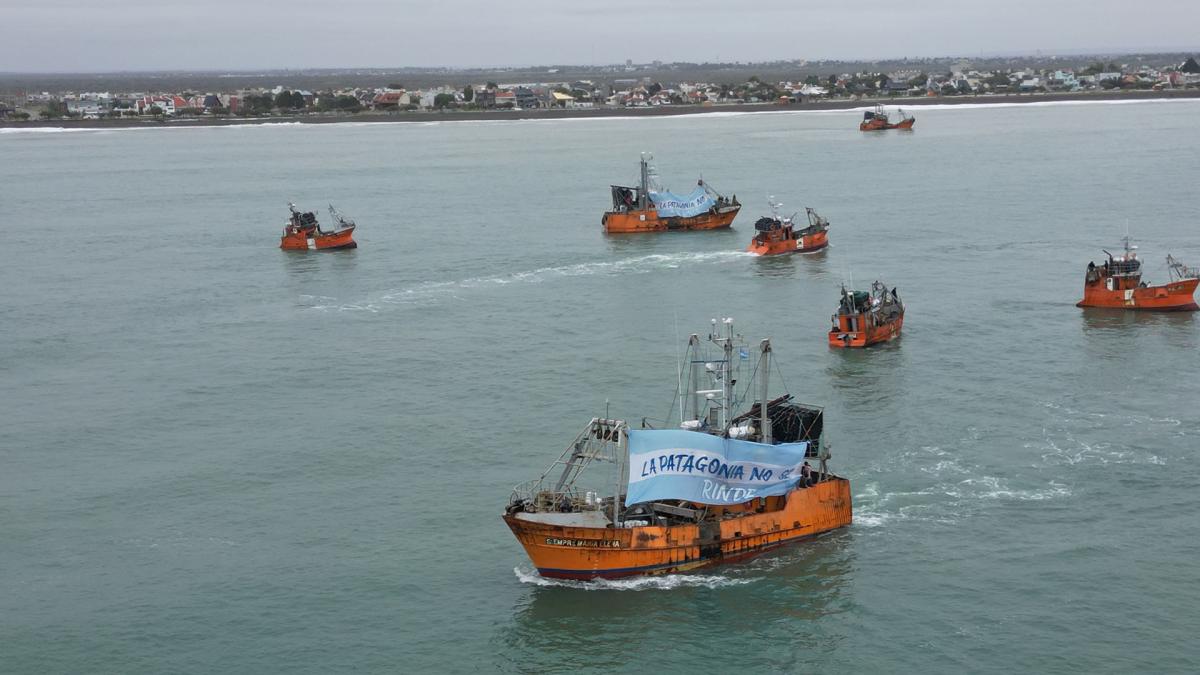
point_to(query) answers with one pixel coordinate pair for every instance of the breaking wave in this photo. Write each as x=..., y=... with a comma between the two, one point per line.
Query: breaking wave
x=662, y=582
x=43, y=130
x=1010, y=104
x=602, y=118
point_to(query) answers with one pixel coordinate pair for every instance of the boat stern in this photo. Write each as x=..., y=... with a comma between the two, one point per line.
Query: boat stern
x=811, y=243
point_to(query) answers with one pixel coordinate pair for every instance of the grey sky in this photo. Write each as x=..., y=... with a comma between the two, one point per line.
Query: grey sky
x=97, y=35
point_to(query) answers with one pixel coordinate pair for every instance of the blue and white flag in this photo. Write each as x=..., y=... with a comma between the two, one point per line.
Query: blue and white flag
x=707, y=469
x=671, y=205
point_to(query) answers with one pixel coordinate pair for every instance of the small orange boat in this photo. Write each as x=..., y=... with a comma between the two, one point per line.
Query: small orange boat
x=1118, y=284
x=878, y=120
x=304, y=233
x=777, y=235
x=866, y=318
x=718, y=488
x=650, y=208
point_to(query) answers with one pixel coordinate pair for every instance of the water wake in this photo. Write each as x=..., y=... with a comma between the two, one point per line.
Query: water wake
x=662, y=582
x=434, y=292
x=1062, y=448
x=1083, y=437
x=636, y=265
x=955, y=490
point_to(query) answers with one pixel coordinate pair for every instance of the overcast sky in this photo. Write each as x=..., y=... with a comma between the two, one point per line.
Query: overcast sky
x=101, y=35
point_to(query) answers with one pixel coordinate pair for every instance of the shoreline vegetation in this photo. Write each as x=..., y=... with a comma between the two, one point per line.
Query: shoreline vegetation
x=578, y=113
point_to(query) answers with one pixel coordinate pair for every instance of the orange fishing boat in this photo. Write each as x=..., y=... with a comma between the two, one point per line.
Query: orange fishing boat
x=1118, y=283
x=719, y=487
x=866, y=318
x=651, y=208
x=304, y=233
x=878, y=120
x=779, y=235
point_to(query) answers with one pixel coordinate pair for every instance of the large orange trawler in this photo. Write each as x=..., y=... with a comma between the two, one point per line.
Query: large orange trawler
x=1118, y=283
x=304, y=233
x=651, y=208
x=718, y=487
x=777, y=235
x=866, y=318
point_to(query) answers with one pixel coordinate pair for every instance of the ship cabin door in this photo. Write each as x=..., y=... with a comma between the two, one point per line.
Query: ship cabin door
x=1110, y=283
x=710, y=539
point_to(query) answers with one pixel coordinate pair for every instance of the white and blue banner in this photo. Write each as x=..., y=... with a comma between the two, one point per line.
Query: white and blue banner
x=672, y=205
x=707, y=469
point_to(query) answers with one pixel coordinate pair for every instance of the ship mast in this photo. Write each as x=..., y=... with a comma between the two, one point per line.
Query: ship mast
x=697, y=372
x=726, y=368
x=622, y=455
x=1129, y=249
x=764, y=367
x=644, y=185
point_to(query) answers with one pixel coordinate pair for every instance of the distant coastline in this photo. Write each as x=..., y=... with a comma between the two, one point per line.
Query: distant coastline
x=577, y=113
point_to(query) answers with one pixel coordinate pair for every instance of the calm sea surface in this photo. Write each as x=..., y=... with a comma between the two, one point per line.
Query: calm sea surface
x=218, y=456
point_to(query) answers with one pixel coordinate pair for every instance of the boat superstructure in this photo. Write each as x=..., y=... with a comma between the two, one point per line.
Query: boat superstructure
x=1117, y=283
x=716, y=487
x=648, y=207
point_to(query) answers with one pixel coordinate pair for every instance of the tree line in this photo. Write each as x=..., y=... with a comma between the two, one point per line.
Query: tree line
x=290, y=101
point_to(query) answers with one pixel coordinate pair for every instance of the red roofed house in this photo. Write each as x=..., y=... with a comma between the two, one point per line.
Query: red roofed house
x=390, y=100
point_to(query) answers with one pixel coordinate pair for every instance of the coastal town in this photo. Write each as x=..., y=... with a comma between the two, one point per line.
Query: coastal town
x=624, y=87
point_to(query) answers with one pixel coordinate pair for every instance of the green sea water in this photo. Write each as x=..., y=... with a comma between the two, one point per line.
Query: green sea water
x=216, y=456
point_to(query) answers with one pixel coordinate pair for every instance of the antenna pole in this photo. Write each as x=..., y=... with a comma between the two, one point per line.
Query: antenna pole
x=765, y=368
x=643, y=198
x=726, y=375
x=678, y=369
x=622, y=455
x=693, y=344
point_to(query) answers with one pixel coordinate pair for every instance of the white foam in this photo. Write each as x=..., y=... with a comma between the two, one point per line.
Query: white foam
x=156, y=127
x=425, y=292
x=866, y=519
x=41, y=130
x=1028, y=104
x=660, y=582
x=434, y=292
x=1061, y=443
x=992, y=487
x=913, y=107
x=956, y=490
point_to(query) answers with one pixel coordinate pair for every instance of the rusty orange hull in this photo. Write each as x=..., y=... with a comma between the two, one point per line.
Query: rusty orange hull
x=806, y=244
x=311, y=241
x=609, y=553
x=649, y=221
x=848, y=335
x=878, y=124
x=1177, y=296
